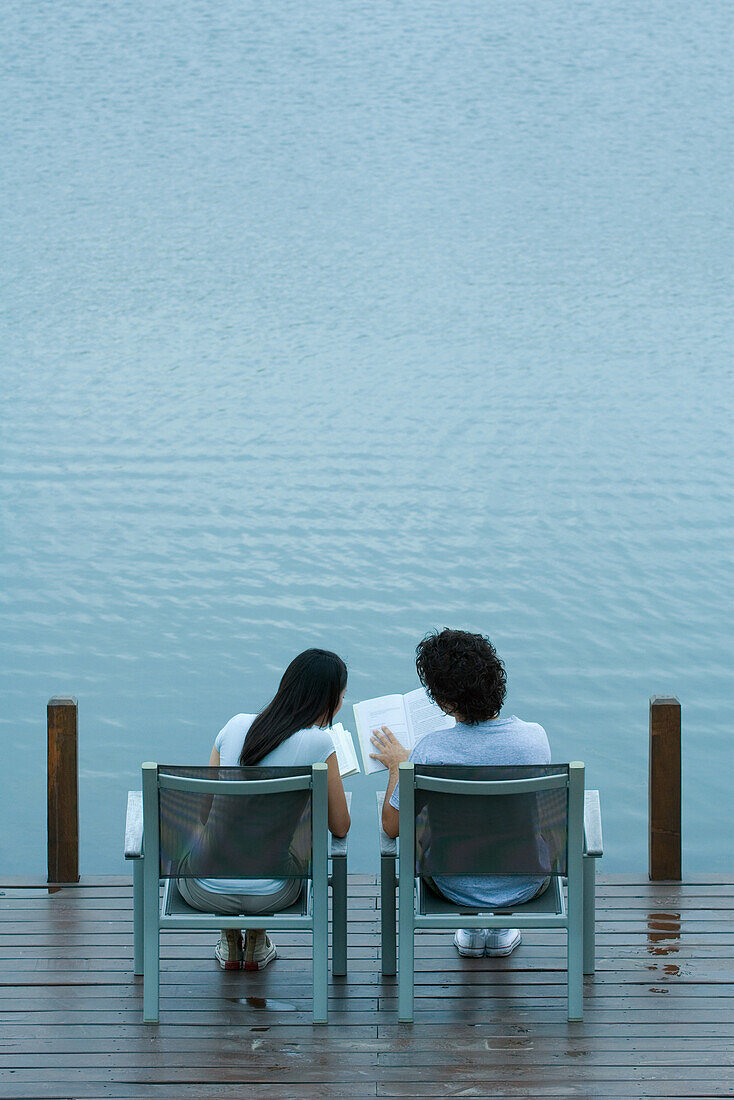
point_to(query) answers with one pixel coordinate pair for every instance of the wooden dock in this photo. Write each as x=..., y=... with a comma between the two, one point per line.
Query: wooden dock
x=659, y=1014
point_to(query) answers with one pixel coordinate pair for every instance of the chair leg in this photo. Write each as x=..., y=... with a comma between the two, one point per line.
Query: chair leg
x=575, y=936
x=339, y=916
x=406, y=958
x=320, y=962
x=388, y=953
x=137, y=916
x=151, y=975
x=151, y=958
x=589, y=915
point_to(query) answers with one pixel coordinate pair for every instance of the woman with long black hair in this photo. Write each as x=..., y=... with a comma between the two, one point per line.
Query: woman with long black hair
x=289, y=732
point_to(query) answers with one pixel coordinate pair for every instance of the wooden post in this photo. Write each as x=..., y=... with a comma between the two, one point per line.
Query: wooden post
x=63, y=805
x=665, y=789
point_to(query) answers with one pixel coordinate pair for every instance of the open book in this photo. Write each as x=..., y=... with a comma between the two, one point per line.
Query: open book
x=345, y=755
x=409, y=717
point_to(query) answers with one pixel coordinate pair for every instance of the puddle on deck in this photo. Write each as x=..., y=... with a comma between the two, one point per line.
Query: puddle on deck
x=663, y=938
x=663, y=933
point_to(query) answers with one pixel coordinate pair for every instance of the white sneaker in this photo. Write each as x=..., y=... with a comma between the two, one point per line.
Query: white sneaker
x=502, y=941
x=470, y=942
x=229, y=949
x=259, y=950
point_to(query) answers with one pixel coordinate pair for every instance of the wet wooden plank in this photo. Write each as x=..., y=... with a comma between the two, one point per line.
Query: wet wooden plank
x=510, y=986
x=261, y=1061
x=597, y=1090
x=345, y=1074
x=214, y=1052
x=180, y=1090
x=196, y=982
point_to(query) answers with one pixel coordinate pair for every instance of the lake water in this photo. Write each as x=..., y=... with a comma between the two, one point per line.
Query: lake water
x=329, y=324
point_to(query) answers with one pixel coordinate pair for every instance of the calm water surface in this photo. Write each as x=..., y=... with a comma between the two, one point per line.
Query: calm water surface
x=329, y=324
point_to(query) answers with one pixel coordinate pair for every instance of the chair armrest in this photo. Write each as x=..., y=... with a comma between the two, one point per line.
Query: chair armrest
x=134, y=825
x=593, y=844
x=388, y=844
x=338, y=844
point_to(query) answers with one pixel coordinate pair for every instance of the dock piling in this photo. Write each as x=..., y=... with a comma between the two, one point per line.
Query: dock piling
x=63, y=794
x=664, y=850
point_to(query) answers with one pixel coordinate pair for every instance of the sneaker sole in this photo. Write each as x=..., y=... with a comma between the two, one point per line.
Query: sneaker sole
x=499, y=952
x=262, y=962
x=469, y=952
x=229, y=965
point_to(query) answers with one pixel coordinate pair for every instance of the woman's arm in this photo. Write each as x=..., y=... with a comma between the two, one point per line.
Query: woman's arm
x=339, y=819
x=214, y=758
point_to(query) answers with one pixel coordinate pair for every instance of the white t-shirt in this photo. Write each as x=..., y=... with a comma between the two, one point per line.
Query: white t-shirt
x=305, y=747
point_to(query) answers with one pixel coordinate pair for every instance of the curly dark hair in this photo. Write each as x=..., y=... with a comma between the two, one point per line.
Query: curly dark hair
x=462, y=673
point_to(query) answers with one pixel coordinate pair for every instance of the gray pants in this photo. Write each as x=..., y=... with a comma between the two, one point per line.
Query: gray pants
x=211, y=901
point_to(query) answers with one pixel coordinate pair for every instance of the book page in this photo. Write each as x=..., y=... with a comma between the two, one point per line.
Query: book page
x=387, y=710
x=423, y=716
x=345, y=755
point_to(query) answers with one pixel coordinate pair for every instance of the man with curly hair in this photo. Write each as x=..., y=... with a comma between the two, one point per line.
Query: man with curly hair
x=463, y=674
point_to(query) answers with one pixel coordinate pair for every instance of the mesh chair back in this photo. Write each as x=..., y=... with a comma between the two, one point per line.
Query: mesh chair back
x=243, y=835
x=492, y=834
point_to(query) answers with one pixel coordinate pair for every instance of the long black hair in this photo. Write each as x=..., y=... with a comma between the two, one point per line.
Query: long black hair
x=308, y=695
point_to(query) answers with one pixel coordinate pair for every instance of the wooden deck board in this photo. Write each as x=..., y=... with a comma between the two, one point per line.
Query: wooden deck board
x=658, y=1015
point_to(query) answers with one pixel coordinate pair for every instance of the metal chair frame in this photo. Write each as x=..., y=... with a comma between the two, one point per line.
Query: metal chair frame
x=576, y=916
x=142, y=839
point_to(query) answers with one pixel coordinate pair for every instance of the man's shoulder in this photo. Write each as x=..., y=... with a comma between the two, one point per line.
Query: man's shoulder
x=529, y=727
x=432, y=747
x=529, y=740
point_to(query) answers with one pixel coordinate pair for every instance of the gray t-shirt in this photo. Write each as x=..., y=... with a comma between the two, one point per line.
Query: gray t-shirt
x=309, y=746
x=499, y=741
